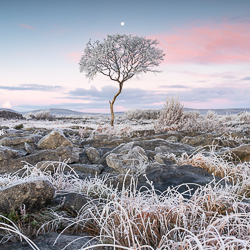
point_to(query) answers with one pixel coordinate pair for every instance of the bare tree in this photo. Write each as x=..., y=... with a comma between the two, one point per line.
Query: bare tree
x=120, y=57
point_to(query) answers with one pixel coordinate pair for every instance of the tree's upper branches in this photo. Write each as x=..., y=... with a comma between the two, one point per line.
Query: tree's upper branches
x=120, y=57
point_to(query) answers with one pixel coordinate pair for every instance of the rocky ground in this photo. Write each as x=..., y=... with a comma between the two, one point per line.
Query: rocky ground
x=91, y=154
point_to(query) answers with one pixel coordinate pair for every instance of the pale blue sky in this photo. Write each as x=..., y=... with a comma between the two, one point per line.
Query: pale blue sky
x=206, y=43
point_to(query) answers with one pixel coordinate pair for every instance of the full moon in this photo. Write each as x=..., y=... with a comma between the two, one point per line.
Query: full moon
x=122, y=23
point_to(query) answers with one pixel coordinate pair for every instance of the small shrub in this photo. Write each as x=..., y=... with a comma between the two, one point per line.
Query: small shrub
x=146, y=114
x=18, y=126
x=173, y=117
x=44, y=115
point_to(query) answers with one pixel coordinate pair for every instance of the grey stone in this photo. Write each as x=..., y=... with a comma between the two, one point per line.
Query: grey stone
x=85, y=168
x=54, y=140
x=8, y=153
x=15, y=140
x=103, y=143
x=164, y=176
x=71, y=202
x=202, y=140
x=92, y=154
x=129, y=158
x=46, y=242
x=165, y=159
x=240, y=153
x=34, y=193
x=28, y=148
x=69, y=154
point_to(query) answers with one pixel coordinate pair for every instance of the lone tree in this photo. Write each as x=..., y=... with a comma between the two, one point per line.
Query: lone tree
x=120, y=57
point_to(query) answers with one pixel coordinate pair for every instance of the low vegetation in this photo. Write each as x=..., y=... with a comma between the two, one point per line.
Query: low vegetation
x=215, y=216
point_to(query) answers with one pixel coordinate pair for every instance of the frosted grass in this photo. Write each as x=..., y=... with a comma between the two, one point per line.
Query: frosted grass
x=215, y=217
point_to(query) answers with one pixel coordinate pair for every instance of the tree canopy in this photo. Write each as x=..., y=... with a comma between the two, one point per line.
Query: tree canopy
x=120, y=57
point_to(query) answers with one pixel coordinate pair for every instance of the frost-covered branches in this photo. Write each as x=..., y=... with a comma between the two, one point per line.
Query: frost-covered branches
x=120, y=57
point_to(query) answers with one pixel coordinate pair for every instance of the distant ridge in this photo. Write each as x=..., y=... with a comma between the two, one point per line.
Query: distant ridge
x=220, y=111
x=1, y=109
x=68, y=112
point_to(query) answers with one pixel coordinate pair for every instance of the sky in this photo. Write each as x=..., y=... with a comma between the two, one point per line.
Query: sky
x=206, y=45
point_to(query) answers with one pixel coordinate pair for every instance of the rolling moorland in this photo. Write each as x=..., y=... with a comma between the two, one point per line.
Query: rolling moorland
x=159, y=179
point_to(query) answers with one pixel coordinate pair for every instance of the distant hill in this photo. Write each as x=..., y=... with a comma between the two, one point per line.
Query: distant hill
x=68, y=112
x=1, y=109
x=220, y=111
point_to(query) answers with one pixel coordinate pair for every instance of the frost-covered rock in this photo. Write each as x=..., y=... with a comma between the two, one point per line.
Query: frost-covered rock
x=164, y=176
x=9, y=153
x=17, y=140
x=130, y=158
x=53, y=140
x=92, y=155
x=242, y=152
x=69, y=154
x=34, y=194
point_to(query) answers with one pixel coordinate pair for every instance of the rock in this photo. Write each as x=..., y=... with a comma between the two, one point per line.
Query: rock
x=13, y=140
x=34, y=193
x=103, y=143
x=164, y=176
x=202, y=140
x=69, y=154
x=46, y=242
x=53, y=140
x=165, y=146
x=144, y=132
x=28, y=148
x=8, y=153
x=165, y=159
x=172, y=139
x=242, y=152
x=92, y=154
x=85, y=168
x=71, y=202
x=130, y=158
x=10, y=115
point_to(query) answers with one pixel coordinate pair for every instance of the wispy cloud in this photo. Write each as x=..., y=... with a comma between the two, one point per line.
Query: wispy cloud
x=219, y=97
x=173, y=86
x=25, y=26
x=34, y=87
x=245, y=78
x=226, y=43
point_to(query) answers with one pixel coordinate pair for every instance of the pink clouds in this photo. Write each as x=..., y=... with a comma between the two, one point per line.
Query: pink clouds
x=7, y=105
x=220, y=43
x=28, y=27
x=75, y=56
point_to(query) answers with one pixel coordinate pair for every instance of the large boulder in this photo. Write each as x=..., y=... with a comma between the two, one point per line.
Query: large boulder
x=33, y=193
x=130, y=158
x=53, y=140
x=164, y=176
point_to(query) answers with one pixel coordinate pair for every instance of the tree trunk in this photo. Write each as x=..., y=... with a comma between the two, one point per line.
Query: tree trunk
x=112, y=104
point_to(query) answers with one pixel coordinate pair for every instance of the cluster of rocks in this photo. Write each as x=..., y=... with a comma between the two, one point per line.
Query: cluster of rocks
x=101, y=154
